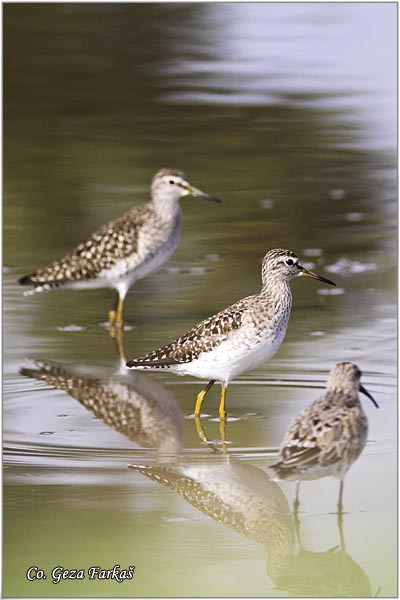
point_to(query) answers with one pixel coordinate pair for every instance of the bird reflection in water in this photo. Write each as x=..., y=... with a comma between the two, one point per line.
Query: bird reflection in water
x=332, y=573
x=232, y=492
x=242, y=497
x=133, y=404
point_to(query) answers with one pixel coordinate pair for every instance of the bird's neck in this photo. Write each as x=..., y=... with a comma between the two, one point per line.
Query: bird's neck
x=277, y=303
x=277, y=291
x=338, y=396
x=167, y=209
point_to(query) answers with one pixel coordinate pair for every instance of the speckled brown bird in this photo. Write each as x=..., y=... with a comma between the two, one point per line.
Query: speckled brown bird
x=126, y=249
x=238, y=338
x=328, y=436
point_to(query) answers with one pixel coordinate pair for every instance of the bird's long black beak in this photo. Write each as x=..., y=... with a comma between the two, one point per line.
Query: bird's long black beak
x=198, y=193
x=366, y=392
x=308, y=273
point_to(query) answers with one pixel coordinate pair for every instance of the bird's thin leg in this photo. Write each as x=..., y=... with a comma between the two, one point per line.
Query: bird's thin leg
x=201, y=396
x=296, y=502
x=340, y=501
x=112, y=315
x=222, y=411
x=222, y=432
x=116, y=314
x=120, y=311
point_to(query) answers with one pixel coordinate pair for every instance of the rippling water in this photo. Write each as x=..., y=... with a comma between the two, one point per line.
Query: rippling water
x=288, y=113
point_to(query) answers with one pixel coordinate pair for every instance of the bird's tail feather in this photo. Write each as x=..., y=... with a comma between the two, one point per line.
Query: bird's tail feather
x=133, y=364
x=25, y=280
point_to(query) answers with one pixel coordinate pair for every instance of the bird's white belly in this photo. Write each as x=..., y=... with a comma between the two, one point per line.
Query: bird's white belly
x=230, y=358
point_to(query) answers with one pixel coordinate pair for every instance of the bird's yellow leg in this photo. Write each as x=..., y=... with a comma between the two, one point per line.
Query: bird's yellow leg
x=120, y=312
x=116, y=314
x=222, y=411
x=201, y=396
x=222, y=432
x=112, y=316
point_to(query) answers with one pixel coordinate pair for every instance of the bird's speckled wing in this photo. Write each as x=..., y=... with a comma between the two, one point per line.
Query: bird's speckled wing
x=204, y=337
x=98, y=253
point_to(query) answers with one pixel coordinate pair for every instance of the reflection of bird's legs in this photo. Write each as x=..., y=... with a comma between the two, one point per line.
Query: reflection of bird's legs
x=341, y=532
x=202, y=435
x=201, y=396
x=119, y=338
x=200, y=431
x=296, y=504
x=297, y=524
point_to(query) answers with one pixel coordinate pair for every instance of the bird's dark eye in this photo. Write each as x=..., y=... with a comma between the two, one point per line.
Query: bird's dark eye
x=171, y=181
x=289, y=261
